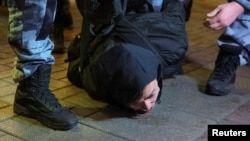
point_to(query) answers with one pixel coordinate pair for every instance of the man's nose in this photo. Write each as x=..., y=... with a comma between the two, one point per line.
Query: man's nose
x=147, y=105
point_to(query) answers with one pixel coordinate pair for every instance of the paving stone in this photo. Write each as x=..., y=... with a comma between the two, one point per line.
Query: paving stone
x=9, y=99
x=80, y=133
x=241, y=86
x=59, y=74
x=30, y=130
x=6, y=113
x=183, y=93
x=1, y=134
x=23, y=128
x=241, y=115
x=67, y=92
x=56, y=68
x=57, y=84
x=3, y=83
x=83, y=100
x=9, y=138
x=4, y=68
x=5, y=74
x=170, y=125
x=10, y=89
x=3, y=104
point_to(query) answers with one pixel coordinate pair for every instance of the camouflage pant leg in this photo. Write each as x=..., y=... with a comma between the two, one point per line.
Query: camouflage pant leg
x=238, y=34
x=29, y=27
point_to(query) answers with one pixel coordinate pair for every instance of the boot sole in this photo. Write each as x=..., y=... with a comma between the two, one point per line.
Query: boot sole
x=217, y=92
x=22, y=111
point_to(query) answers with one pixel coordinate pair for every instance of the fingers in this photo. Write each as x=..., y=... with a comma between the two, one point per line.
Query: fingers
x=213, y=21
x=214, y=12
x=215, y=26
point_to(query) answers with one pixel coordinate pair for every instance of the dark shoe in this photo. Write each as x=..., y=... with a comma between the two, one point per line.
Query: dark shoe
x=223, y=77
x=33, y=99
x=57, y=36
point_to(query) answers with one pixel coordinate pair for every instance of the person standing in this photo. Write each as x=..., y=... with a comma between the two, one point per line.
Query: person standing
x=29, y=28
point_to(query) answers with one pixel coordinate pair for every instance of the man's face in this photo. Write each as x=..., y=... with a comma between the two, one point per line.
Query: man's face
x=148, y=99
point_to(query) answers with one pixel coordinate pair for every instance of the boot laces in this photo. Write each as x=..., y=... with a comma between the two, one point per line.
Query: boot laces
x=225, y=68
x=49, y=100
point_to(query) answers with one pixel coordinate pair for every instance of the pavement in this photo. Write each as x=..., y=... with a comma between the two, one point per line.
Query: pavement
x=183, y=115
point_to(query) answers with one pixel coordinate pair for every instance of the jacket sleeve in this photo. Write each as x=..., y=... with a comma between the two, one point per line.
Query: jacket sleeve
x=244, y=3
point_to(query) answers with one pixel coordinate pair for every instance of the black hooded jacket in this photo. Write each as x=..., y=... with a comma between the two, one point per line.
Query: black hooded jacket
x=116, y=69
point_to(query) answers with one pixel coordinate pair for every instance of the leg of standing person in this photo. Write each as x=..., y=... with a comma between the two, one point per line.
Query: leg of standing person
x=68, y=20
x=29, y=28
x=234, y=51
x=63, y=19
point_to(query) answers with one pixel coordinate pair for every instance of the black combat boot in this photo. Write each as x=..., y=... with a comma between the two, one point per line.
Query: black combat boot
x=223, y=76
x=34, y=99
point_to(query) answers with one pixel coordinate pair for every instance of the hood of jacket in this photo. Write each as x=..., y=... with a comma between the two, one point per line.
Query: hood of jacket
x=125, y=70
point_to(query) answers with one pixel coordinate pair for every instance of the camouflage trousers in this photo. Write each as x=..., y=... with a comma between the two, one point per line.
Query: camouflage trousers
x=238, y=34
x=29, y=27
